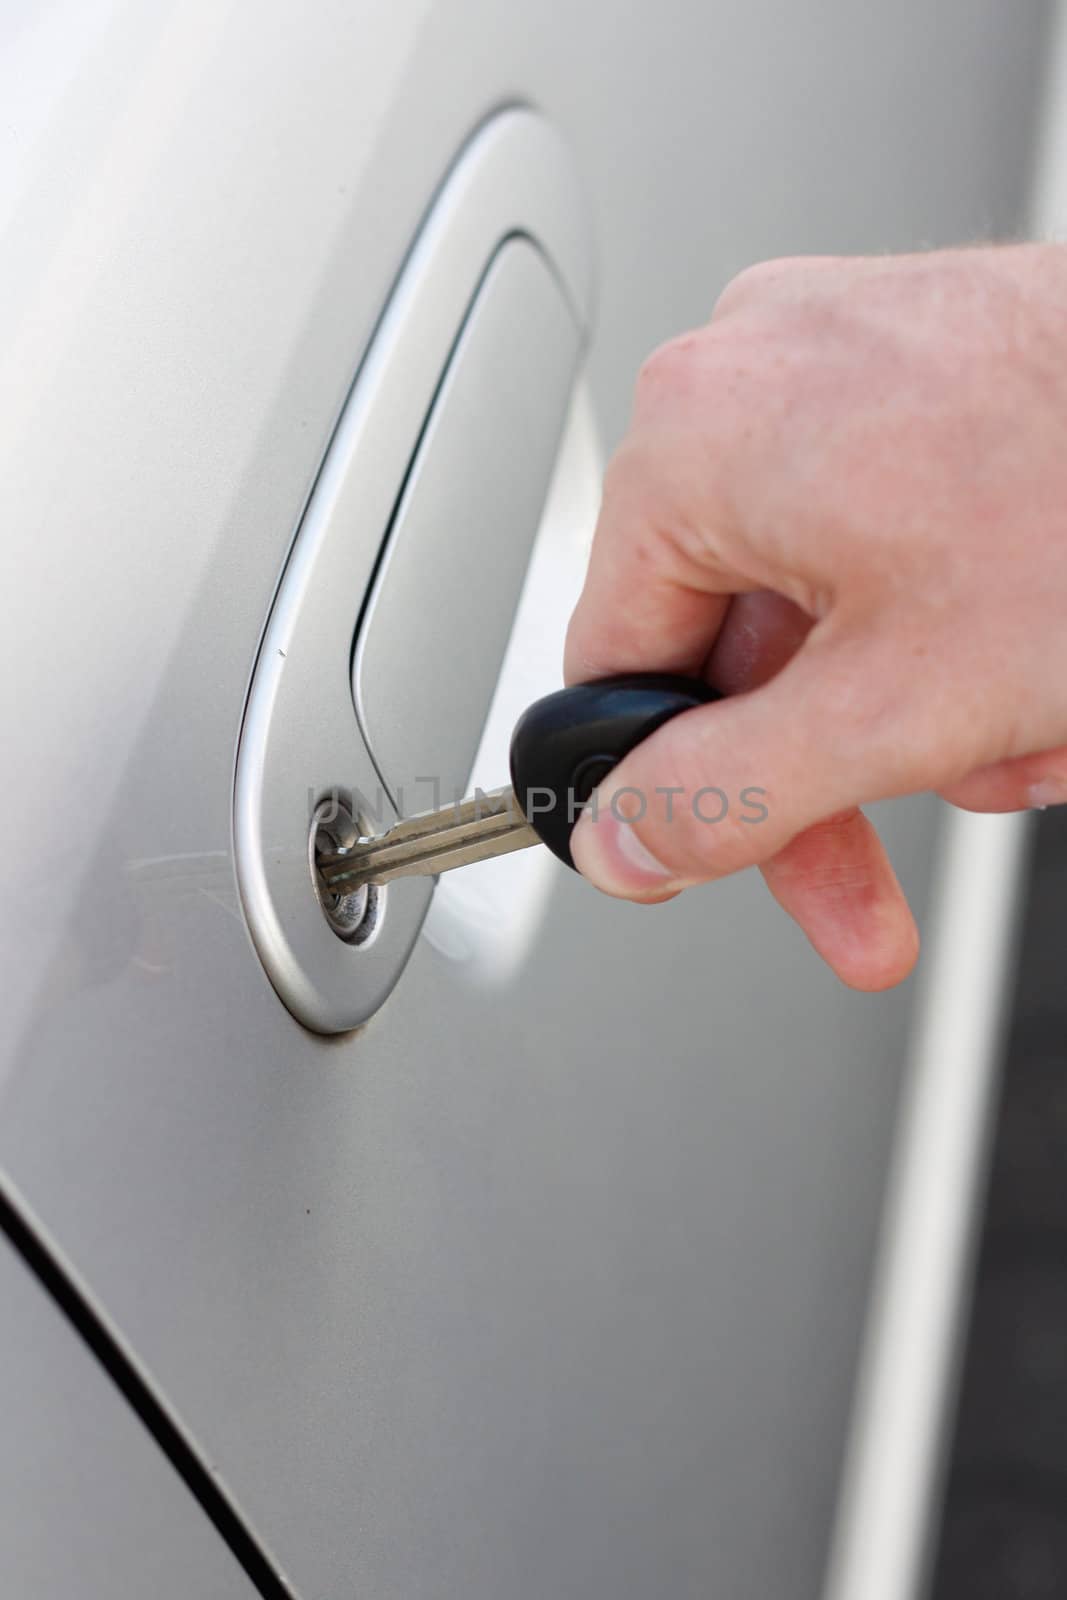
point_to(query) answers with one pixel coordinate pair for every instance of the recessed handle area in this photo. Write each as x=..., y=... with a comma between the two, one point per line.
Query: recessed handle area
x=438, y=618
x=380, y=656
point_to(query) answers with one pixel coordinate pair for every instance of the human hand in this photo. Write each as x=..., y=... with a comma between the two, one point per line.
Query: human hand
x=844, y=503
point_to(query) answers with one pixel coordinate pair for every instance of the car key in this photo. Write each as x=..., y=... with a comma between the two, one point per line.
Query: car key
x=562, y=748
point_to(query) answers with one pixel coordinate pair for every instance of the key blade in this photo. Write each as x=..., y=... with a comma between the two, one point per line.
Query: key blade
x=489, y=824
x=439, y=857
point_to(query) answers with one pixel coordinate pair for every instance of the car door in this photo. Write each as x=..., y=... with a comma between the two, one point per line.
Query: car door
x=535, y=1260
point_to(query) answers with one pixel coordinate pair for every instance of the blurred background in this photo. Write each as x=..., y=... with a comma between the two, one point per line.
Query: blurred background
x=1003, y=1530
x=1002, y=1527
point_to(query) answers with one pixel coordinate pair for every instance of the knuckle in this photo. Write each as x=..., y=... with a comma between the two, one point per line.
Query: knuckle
x=629, y=490
x=638, y=500
x=833, y=878
x=765, y=281
x=751, y=284
x=669, y=372
x=619, y=474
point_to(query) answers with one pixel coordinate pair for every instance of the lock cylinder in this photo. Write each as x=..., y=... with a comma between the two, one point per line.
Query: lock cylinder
x=353, y=917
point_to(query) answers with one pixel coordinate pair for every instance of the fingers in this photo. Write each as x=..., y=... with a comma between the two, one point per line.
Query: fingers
x=668, y=553
x=836, y=881
x=759, y=634
x=765, y=455
x=729, y=785
x=785, y=278
x=647, y=605
x=1019, y=785
x=834, y=878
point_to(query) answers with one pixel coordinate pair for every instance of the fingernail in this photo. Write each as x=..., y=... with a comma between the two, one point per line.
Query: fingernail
x=1049, y=792
x=608, y=852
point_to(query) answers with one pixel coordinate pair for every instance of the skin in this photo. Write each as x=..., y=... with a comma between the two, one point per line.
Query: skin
x=843, y=502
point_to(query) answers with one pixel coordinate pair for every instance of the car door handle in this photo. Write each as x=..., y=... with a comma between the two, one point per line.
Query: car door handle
x=384, y=641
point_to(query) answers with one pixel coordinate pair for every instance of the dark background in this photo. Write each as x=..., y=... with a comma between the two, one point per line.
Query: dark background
x=1004, y=1527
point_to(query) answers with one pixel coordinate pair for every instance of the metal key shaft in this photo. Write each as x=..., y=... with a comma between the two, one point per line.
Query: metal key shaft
x=563, y=746
x=491, y=823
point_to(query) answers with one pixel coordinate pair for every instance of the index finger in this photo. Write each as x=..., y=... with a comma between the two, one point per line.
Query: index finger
x=654, y=597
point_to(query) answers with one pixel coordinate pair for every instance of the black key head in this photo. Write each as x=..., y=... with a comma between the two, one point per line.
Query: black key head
x=566, y=744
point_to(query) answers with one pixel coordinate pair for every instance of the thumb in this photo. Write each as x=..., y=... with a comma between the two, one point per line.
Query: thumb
x=726, y=786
